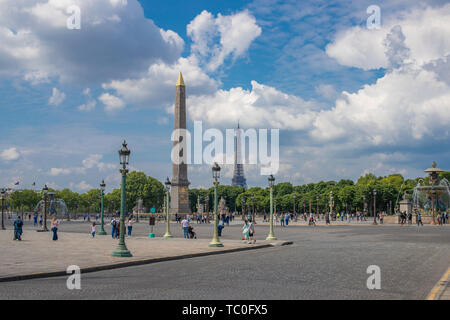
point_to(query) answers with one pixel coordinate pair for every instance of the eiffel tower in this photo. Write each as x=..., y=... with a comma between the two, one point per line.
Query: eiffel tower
x=238, y=175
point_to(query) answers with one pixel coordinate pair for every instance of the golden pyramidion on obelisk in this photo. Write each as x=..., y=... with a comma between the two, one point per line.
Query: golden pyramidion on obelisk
x=180, y=81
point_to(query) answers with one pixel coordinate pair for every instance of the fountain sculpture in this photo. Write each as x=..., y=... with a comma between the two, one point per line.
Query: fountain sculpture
x=432, y=198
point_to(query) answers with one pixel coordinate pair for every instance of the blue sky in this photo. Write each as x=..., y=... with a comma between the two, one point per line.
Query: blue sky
x=347, y=100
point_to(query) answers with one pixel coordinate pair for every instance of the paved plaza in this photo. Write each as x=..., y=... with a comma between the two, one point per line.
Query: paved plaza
x=324, y=262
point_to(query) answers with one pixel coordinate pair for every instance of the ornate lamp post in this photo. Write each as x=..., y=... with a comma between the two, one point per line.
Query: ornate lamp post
x=45, y=207
x=295, y=214
x=168, y=184
x=215, y=242
x=102, y=231
x=243, y=208
x=331, y=203
x=121, y=250
x=317, y=206
x=3, y=193
x=253, y=208
x=374, y=207
x=364, y=206
x=271, y=236
x=137, y=210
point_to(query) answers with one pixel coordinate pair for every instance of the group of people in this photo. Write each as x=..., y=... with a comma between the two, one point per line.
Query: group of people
x=188, y=230
x=284, y=219
x=18, y=227
x=115, y=227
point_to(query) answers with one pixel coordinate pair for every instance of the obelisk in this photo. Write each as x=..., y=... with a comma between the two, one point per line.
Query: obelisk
x=179, y=202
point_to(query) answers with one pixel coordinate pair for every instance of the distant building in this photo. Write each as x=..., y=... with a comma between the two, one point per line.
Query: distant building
x=238, y=175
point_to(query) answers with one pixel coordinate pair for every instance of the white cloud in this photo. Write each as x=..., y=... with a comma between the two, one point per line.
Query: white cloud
x=327, y=90
x=36, y=42
x=57, y=97
x=156, y=87
x=112, y=103
x=9, y=154
x=88, y=106
x=59, y=171
x=262, y=107
x=94, y=161
x=83, y=185
x=405, y=105
x=235, y=32
x=426, y=32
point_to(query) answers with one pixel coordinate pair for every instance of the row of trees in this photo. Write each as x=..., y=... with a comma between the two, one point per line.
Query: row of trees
x=139, y=186
x=347, y=195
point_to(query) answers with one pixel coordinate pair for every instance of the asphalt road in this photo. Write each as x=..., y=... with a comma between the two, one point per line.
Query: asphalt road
x=325, y=262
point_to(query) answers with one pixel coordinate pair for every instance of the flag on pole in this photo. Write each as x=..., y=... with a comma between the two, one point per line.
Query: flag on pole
x=17, y=183
x=34, y=183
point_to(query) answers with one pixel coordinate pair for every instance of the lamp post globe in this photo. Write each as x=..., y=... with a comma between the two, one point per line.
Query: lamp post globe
x=215, y=242
x=124, y=155
x=271, y=180
x=167, y=184
x=102, y=231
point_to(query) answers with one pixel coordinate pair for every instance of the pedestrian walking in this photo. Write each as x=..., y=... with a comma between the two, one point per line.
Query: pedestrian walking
x=219, y=229
x=40, y=221
x=113, y=227
x=35, y=218
x=93, y=229
x=251, y=232
x=18, y=223
x=118, y=229
x=327, y=218
x=129, y=226
x=185, y=226
x=54, y=227
x=245, y=229
x=282, y=219
x=419, y=219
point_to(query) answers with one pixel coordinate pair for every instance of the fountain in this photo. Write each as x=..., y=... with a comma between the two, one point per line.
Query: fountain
x=54, y=206
x=432, y=198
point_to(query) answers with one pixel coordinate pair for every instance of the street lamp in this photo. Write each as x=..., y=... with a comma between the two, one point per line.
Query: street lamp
x=102, y=231
x=243, y=208
x=3, y=193
x=271, y=180
x=121, y=250
x=253, y=208
x=215, y=242
x=45, y=189
x=374, y=206
x=168, y=184
x=295, y=214
x=317, y=206
x=331, y=203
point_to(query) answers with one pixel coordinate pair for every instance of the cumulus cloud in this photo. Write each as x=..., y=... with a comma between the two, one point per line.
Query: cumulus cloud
x=57, y=97
x=36, y=43
x=111, y=102
x=90, y=104
x=9, y=154
x=156, y=87
x=235, y=33
x=425, y=32
x=261, y=107
x=405, y=105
